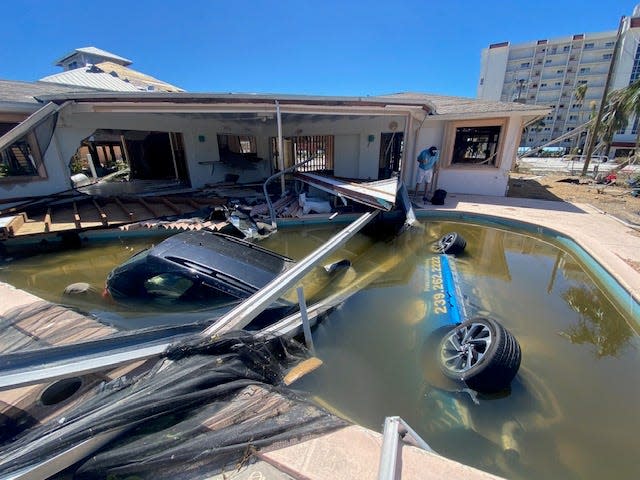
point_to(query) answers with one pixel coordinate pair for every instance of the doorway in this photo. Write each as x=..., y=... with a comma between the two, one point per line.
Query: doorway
x=391, y=147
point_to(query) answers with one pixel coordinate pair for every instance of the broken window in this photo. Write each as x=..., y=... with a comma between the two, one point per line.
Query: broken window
x=21, y=159
x=476, y=145
x=239, y=144
x=238, y=150
x=131, y=155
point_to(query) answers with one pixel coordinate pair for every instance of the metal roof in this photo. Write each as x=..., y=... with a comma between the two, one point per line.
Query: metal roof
x=92, y=78
x=98, y=52
x=137, y=78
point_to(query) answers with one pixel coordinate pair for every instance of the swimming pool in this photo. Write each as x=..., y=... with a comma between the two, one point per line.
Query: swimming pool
x=570, y=411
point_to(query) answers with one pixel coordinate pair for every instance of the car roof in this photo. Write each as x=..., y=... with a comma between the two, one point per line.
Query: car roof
x=223, y=253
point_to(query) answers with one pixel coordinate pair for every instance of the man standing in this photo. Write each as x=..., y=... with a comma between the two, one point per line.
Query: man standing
x=427, y=160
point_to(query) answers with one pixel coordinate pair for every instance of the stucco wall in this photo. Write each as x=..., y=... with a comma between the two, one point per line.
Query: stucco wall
x=480, y=180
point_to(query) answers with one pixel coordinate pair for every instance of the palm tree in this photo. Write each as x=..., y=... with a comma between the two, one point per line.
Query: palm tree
x=620, y=105
x=614, y=118
x=630, y=103
x=580, y=92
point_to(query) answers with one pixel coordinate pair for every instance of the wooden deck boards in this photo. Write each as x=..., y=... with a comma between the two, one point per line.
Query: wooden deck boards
x=93, y=213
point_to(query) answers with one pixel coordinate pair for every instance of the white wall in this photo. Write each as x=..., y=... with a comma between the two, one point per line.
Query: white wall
x=347, y=154
x=431, y=133
x=478, y=180
x=492, y=182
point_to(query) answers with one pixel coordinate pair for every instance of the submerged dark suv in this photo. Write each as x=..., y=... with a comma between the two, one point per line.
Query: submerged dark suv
x=204, y=267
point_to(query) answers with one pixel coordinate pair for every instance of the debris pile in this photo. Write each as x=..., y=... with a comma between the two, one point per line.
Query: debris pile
x=248, y=213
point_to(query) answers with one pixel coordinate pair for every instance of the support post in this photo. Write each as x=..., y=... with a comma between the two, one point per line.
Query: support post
x=173, y=156
x=280, y=147
x=306, y=327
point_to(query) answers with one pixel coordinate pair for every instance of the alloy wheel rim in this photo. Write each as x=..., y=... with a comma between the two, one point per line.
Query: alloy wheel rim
x=446, y=241
x=465, y=347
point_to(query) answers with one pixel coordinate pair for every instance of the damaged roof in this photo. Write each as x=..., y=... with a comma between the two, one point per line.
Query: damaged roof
x=137, y=78
x=110, y=76
x=92, y=77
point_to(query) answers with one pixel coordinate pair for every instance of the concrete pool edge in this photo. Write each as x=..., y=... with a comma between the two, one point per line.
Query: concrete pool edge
x=612, y=245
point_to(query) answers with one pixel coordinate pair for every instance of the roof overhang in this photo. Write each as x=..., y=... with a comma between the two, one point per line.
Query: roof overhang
x=526, y=115
x=203, y=103
x=219, y=103
x=20, y=107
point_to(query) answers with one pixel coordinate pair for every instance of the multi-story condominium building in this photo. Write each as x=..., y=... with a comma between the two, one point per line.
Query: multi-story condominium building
x=550, y=72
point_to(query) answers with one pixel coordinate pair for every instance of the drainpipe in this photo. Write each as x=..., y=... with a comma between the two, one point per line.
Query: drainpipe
x=280, y=147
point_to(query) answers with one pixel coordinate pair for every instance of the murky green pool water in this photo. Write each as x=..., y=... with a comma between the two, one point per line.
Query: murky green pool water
x=572, y=409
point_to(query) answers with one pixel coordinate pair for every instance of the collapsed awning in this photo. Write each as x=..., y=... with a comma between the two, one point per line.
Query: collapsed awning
x=380, y=194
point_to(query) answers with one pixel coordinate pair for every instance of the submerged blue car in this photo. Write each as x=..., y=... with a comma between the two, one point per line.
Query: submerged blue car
x=478, y=351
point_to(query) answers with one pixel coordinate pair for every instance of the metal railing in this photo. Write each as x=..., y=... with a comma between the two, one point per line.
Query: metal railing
x=272, y=212
x=395, y=428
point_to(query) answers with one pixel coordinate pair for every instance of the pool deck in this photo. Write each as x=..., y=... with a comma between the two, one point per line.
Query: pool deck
x=615, y=245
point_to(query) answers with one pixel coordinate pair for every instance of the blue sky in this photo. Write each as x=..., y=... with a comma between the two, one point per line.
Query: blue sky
x=305, y=47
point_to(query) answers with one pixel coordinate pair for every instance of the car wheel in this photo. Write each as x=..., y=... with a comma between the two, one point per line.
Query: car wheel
x=451, y=243
x=481, y=353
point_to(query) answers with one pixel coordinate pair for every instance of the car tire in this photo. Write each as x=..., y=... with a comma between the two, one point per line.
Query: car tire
x=481, y=353
x=452, y=243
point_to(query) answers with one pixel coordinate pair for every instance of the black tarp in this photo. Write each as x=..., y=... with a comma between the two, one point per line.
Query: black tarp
x=202, y=408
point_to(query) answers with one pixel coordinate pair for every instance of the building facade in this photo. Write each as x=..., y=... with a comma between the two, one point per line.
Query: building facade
x=551, y=73
x=192, y=140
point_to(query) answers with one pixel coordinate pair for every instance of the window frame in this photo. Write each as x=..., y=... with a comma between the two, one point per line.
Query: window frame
x=40, y=170
x=450, y=137
x=223, y=139
x=326, y=162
